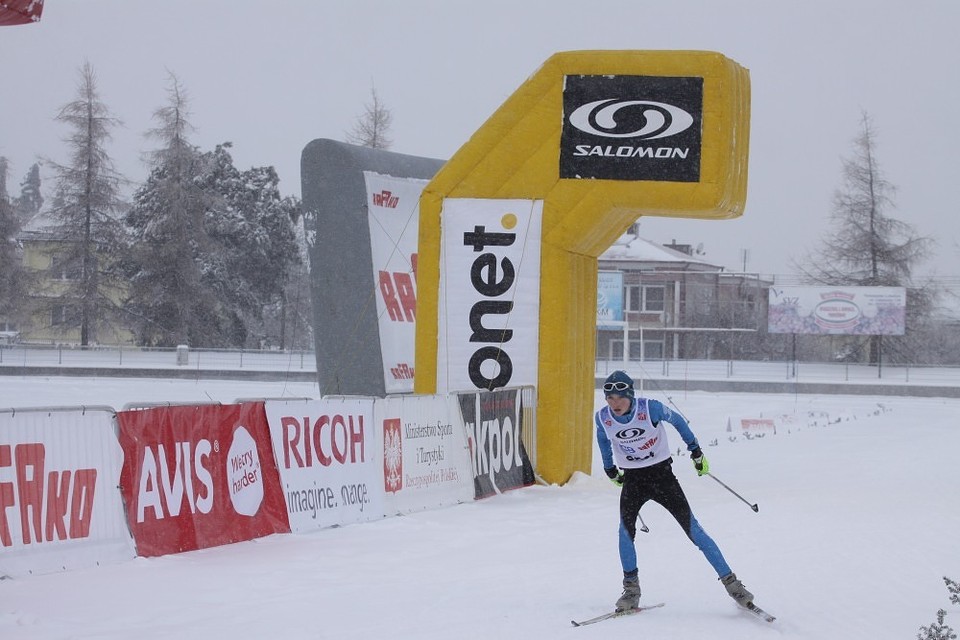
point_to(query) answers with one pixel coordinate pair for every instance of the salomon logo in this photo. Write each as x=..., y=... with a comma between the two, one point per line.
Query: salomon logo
x=629, y=434
x=656, y=119
x=632, y=128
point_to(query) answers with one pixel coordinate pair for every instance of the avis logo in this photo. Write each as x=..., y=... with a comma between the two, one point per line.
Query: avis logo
x=163, y=486
x=651, y=120
x=45, y=497
x=386, y=199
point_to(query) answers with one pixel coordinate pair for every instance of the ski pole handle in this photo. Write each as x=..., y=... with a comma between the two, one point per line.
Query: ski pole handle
x=752, y=506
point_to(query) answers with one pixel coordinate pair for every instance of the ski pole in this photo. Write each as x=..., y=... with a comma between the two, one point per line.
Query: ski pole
x=643, y=525
x=752, y=506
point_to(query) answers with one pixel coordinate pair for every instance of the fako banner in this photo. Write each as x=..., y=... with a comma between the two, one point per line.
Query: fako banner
x=494, y=429
x=632, y=128
x=59, y=503
x=199, y=476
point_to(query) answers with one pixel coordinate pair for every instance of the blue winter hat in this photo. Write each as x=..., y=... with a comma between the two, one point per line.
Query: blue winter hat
x=618, y=383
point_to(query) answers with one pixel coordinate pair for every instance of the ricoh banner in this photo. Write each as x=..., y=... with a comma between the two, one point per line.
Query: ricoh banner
x=838, y=310
x=494, y=425
x=199, y=476
x=60, y=507
x=394, y=214
x=330, y=461
x=489, y=294
x=426, y=460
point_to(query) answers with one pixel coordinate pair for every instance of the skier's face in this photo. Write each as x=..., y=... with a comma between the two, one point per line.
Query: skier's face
x=618, y=404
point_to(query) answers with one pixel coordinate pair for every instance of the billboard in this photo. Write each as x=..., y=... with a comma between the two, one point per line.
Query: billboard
x=609, y=299
x=394, y=214
x=490, y=293
x=866, y=311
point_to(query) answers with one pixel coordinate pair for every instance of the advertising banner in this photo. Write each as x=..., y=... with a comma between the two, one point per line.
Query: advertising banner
x=199, y=476
x=394, y=213
x=330, y=458
x=489, y=294
x=426, y=460
x=609, y=299
x=627, y=127
x=869, y=311
x=59, y=503
x=494, y=425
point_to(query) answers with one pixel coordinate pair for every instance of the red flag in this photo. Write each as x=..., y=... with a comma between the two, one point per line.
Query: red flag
x=20, y=11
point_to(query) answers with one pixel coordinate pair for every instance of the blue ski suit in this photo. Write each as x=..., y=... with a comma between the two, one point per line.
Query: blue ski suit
x=637, y=443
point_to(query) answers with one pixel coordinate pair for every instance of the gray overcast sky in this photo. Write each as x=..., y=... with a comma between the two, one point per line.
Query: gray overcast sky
x=271, y=76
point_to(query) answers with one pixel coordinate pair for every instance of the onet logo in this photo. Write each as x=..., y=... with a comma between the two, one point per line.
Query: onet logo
x=659, y=120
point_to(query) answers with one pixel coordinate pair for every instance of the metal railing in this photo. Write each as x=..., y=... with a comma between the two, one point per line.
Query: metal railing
x=126, y=357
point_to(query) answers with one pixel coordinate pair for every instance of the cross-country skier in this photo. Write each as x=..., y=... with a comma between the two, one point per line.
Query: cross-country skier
x=631, y=435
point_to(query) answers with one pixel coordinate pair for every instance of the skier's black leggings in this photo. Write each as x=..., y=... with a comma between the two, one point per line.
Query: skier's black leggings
x=657, y=483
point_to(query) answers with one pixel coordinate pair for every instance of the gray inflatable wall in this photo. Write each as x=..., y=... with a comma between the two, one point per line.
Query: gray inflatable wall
x=349, y=360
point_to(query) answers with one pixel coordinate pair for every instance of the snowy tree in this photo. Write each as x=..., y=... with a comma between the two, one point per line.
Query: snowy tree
x=867, y=247
x=13, y=287
x=31, y=200
x=171, y=255
x=252, y=226
x=214, y=245
x=86, y=209
x=372, y=128
x=939, y=630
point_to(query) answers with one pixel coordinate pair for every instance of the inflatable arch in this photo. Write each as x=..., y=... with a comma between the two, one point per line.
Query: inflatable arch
x=587, y=145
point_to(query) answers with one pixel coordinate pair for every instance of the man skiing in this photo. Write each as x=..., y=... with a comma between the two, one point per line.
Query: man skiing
x=631, y=435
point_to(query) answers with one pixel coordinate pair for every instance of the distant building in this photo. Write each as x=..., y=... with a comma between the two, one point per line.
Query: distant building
x=53, y=313
x=679, y=306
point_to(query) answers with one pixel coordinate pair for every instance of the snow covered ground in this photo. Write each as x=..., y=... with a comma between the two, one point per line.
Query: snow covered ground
x=859, y=517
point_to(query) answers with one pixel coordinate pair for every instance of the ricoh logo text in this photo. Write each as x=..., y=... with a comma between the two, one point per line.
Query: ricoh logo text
x=326, y=440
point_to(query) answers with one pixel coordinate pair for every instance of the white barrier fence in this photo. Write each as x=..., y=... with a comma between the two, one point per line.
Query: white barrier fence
x=89, y=486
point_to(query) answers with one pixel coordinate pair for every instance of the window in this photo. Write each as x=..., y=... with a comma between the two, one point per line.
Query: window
x=64, y=315
x=646, y=298
x=652, y=349
x=63, y=269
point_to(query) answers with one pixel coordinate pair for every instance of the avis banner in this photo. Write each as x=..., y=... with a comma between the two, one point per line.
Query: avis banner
x=426, y=460
x=330, y=460
x=199, y=476
x=489, y=294
x=59, y=503
x=493, y=422
x=394, y=214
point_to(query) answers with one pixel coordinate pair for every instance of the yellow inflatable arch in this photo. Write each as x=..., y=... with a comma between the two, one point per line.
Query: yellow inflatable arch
x=592, y=141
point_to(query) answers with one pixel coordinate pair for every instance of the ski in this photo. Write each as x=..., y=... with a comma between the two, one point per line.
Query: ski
x=617, y=614
x=759, y=613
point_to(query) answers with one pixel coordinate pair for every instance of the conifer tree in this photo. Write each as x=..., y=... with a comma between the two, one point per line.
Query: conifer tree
x=86, y=209
x=31, y=199
x=868, y=247
x=372, y=128
x=13, y=282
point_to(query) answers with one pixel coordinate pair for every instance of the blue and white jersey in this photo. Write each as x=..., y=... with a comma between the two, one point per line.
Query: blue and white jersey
x=638, y=438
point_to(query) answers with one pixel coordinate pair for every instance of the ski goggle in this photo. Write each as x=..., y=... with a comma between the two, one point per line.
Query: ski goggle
x=615, y=386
